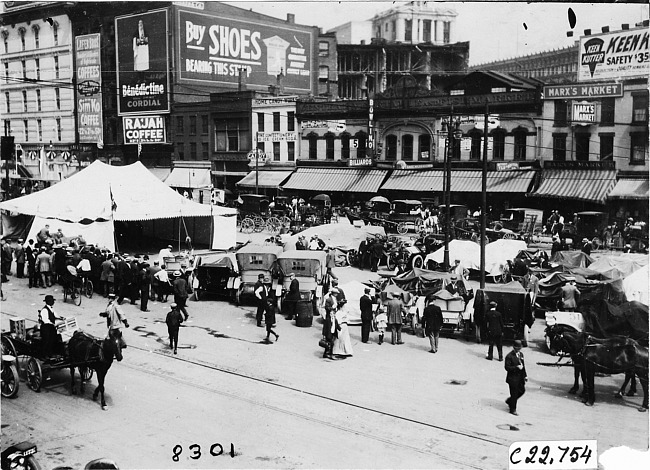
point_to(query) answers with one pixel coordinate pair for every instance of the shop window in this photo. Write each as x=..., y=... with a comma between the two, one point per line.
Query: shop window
x=640, y=108
x=607, y=108
x=291, y=151
x=559, y=147
x=329, y=146
x=276, y=122
x=345, y=145
x=313, y=147
x=606, y=146
x=582, y=147
x=391, y=147
x=520, y=144
x=407, y=147
x=424, y=147
x=560, y=113
x=291, y=121
x=276, y=151
x=638, y=148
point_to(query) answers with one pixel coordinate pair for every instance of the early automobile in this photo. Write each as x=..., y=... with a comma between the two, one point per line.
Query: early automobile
x=214, y=274
x=406, y=213
x=253, y=260
x=310, y=269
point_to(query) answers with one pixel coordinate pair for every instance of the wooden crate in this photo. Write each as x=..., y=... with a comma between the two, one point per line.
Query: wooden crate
x=67, y=328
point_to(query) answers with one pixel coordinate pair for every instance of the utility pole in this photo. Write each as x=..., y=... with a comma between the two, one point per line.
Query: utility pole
x=484, y=194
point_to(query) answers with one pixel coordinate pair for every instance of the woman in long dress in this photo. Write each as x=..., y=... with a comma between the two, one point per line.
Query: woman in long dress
x=342, y=344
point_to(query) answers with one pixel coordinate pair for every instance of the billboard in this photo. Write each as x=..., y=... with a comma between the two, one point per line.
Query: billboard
x=142, y=63
x=144, y=129
x=213, y=49
x=614, y=56
x=90, y=126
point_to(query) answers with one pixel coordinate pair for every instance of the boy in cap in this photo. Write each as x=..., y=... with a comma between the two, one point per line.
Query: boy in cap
x=181, y=292
x=114, y=319
x=173, y=320
x=516, y=377
x=494, y=324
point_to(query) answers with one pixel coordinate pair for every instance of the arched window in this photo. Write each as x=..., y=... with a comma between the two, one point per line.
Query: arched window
x=345, y=145
x=407, y=147
x=313, y=146
x=329, y=146
x=36, y=30
x=520, y=143
x=424, y=147
x=498, y=144
x=55, y=30
x=391, y=147
x=362, y=139
x=21, y=32
x=475, y=151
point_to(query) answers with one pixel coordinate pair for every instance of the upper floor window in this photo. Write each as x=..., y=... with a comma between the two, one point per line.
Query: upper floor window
x=446, y=32
x=520, y=144
x=229, y=135
x=559, y=147
x=426, y=30
x=475, y=149
x=5, y=40
x=23, y=64
x=329, y=146
x=408, y=30
x=26, y=127
x=7, y=102
x=313, y=146
x=291, y=151
x=391, y=147
x=192, y=125
x=362, y=142
x=606, y=146
x=180, y=124
x=57, y=95
x=323, y=72
x=205, y=121
x=39, y=127
x=192, y=150
x=560, y=113
x=276, y=122
x=58, y=129
x=55, y=31
x=21, y=32
x=582, y=147
x=424, y=143
x=640, y=108
x=24, y=101
x=345, y=145
x=607, y=108
x=407, y=147
x=260, y=122
x=323, y=49
x=291, y=121
x=37, y=40
x=276, y=151
x=56, y=66
x=498, y=144
x=638, y=148
x=205, y=151
x=6, y=71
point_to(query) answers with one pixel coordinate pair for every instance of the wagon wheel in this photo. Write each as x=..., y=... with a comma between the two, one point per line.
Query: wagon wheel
x=34, y=374
x=10, y=380
x=86, y=373
x=419, y=223
x=417, y=262
x=8, y=347
x=248, y=225
x=273, y=225
x=286, y=221
x=390, y=262
x=259, y=223
x=402, y=228
x=76, y=295
x=351, y=257
x=89, y=289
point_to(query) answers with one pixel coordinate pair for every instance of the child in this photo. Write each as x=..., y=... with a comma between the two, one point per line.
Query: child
x=381, y=321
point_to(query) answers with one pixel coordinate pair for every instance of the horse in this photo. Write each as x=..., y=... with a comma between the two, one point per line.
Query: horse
x=615, y=356
x=97, y=354
x=571, y=342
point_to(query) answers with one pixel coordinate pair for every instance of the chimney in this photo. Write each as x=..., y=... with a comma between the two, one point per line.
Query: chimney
x=243, y=78
x=625, y=26
x=291, y=18
x=587, y=32
x=605, y=29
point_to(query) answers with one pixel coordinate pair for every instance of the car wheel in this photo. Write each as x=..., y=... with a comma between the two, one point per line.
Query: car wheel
x=417, y=262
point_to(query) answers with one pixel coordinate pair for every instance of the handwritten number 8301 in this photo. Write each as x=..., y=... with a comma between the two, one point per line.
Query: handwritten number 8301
x=195, y=451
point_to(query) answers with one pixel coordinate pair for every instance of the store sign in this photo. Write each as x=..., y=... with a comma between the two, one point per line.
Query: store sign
x=90, y=125
x=142, y=63
x=277, y=136
x=332, y=126
x=582, y=91
x=144, y=129
x=507, y=166
x=214, y=49
x=583, y=112
x=274, y=101
x=618, y=55
x=360, y=162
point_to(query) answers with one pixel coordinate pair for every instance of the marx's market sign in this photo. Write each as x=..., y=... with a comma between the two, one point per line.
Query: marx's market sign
x=88, y=62
x=584, y=112
x=144, y=129
x=618, y=55
x=215, y=49
x=581, y=91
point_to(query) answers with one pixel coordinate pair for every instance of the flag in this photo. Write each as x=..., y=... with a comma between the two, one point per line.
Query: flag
x=113, y=203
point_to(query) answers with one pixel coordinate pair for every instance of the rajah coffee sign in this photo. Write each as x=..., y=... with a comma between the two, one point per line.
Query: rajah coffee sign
x=215, y=49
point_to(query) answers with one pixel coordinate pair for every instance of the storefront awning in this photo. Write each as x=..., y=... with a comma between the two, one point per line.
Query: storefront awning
x=468, y=181
x=191, y=178
x=630, y=189
x=580, y=185
x=356, y=180
x=265, y=179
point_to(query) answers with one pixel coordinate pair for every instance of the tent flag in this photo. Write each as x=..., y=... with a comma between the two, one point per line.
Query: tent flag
x=113, y=203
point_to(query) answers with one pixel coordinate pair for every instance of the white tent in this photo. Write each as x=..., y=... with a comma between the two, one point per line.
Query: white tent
x=102, y=194
x=636, y=285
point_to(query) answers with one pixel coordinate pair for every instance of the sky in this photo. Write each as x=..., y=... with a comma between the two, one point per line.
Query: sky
x=496, y=30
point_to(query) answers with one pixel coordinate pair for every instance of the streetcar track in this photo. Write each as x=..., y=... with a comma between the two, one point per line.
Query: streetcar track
x=315, y=395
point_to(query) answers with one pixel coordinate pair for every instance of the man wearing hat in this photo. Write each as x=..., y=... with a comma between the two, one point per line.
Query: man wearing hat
x=394, y=309
x=301, y=244
x=570, y=294
x=19, y=256
x=155, y=295
x=165, y=253
x=494, y=324
x=432, y=321
x=115, y=318
x=47, y=319
x=340, y=295
x=173, y=320
x=516, y=377
x=293, y=296
x=365, y=305
x=586, y=246
x=181, y=292
x=261, y=292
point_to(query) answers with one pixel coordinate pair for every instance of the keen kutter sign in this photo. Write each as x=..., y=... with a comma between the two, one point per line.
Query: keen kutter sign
x=144, y=129
x=89, y=98
x=618, y=55
x=142, y=63
x=213, y=49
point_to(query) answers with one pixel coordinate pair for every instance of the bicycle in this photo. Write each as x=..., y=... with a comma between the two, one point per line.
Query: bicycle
x=72, y=289
x=87, y=286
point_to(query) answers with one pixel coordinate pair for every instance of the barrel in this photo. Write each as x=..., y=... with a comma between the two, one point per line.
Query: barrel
x=304, y=313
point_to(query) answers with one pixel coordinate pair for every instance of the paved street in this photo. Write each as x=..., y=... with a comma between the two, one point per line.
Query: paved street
x=282, y=405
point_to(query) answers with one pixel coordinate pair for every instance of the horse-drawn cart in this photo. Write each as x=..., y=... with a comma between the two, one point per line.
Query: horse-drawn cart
x=25, y=344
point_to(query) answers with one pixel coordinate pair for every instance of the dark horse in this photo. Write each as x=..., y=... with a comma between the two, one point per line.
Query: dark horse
x=97, y=354
x=610, y=358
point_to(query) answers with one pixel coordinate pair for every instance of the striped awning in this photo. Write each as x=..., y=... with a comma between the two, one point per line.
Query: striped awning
x=356, y=180
x=468, y=181
x=580, y=185
x=265, y=179
x=630, y=189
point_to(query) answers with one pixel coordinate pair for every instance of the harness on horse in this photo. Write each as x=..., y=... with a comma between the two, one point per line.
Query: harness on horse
x=84, y=337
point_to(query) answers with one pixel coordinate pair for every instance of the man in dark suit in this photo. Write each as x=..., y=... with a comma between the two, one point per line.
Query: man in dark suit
x=494, y=323
x=516, y=376
x=293, y=296
x=432, y=322
x=260, y=294
x=365, y=304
